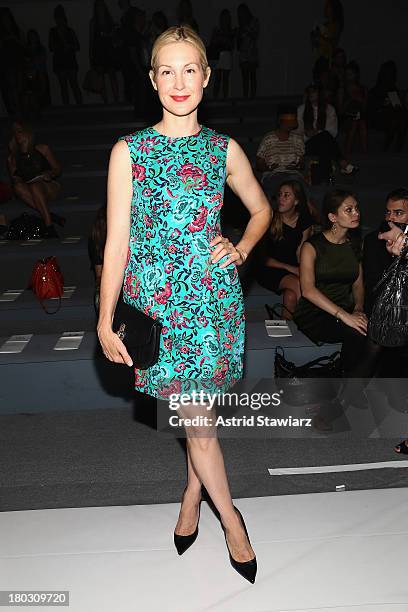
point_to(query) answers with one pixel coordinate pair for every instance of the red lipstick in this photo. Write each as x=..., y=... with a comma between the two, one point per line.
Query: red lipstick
x=179, y=98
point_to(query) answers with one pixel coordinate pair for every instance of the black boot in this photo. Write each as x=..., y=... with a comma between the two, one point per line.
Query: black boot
x=50, y=232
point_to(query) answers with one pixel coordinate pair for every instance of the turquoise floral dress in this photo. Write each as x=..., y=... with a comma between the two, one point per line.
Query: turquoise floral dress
x=178, y=189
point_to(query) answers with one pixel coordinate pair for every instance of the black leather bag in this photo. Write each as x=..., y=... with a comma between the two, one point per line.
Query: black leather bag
x=388, y=324
x=309, y=383
x=139, y=333
x=25, y=227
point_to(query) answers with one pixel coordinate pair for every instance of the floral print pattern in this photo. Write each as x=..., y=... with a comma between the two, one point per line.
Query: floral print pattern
x=178, y=189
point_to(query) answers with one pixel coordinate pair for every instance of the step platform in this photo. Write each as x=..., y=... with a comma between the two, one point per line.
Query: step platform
x=71, y=250
x=68, y=371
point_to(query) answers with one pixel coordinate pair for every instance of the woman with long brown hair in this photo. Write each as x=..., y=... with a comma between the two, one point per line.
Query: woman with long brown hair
x=291, y=225
x=331, y=308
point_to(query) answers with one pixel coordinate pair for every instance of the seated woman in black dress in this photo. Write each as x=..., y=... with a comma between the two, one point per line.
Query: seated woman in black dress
x=331, y=279
x=33, y=169
x=279, y=251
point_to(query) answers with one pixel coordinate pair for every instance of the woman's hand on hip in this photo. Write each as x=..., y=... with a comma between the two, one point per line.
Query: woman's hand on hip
x=224, y=247
x=356, y=320
x=113, y=347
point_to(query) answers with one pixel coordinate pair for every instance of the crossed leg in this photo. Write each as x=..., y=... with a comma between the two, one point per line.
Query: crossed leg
x=206, y=466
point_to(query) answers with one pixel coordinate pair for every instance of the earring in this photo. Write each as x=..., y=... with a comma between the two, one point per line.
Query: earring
x=334, y=228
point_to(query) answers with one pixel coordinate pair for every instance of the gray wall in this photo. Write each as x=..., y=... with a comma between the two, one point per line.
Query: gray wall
x=374, y=31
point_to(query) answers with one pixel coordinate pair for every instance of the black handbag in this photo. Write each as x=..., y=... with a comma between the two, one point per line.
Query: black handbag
x=309, y=383
x=388, y=324
x=139, y=333
x=26, y=227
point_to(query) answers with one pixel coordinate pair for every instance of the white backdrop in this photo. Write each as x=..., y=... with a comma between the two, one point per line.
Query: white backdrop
x=374, y=32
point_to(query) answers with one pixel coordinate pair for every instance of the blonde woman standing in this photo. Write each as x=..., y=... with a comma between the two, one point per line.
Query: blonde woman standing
x=165, y=246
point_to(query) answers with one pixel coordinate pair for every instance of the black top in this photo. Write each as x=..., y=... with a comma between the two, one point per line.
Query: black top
x=284, y=250
x=336, y=270
x=30, y=164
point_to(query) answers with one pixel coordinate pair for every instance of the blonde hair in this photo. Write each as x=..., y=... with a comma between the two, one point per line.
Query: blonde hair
x=179, y=34
x=27, y=129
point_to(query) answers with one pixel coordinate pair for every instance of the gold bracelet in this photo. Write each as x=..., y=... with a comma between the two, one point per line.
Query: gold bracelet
x=242, y=254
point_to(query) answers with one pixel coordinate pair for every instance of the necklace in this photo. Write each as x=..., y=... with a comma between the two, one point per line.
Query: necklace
x=335, y=242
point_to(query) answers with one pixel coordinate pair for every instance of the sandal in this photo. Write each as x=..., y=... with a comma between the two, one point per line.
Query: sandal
x=403, y=448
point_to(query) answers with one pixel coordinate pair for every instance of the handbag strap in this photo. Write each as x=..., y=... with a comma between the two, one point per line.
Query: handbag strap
x=324, y=360
x=48, y=311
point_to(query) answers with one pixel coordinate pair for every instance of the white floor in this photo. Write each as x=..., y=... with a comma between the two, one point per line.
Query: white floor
x=342, y=551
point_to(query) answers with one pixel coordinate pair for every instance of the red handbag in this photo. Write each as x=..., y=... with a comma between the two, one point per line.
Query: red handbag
x=47, y=281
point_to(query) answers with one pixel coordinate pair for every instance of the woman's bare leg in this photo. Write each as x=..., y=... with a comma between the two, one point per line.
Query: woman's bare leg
x=40, y=199
x=23, y=192
x=290, y=286
x=208, y=464
x=188, y=516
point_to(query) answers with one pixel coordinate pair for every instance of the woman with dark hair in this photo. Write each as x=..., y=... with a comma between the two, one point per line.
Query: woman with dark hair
x=352, y=104
x=11, y=61
x=317, y=123
x=220, y=51
x=33, y=169
x=247, y=44
x=101, y=50
x=279, y=249
x=386, y=109
x=331, y=280
x=63, y=44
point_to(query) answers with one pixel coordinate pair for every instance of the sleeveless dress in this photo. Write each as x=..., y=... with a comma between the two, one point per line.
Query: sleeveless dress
x=30, y=164
x=178, y=188
x=336, y=269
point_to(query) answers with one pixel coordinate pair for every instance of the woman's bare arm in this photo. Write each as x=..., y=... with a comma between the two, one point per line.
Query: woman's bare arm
x=56, y=167
x=11, y=165
x=357, y=321
x=118, y=230
x=305, y=235
x=242, y=181
x=308, y=281
x=272, y=262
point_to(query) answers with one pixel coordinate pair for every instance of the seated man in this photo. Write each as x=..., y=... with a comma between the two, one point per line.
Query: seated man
x=376, y=259
x=280, y=155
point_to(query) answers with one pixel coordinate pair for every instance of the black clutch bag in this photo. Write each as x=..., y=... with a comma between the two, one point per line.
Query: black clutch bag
x=138, y=332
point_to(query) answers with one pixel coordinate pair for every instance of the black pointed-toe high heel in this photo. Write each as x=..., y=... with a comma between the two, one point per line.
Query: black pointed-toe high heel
x=247, y=569
x=182, y=542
